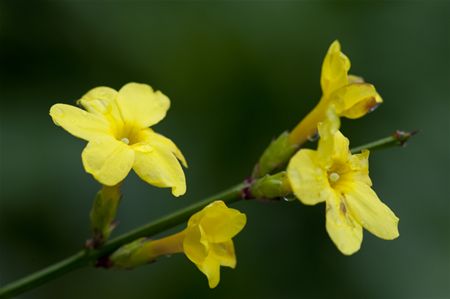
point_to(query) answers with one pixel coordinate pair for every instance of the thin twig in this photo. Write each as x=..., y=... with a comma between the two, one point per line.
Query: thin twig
x=87, y=256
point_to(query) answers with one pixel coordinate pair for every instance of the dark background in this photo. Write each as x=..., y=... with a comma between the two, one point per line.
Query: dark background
x=238, y=74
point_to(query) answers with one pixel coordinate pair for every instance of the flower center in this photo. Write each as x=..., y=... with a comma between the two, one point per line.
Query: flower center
x=128, y=134
x=334, y=177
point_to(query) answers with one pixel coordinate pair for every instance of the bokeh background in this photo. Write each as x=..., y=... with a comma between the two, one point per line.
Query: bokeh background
x=238, y=74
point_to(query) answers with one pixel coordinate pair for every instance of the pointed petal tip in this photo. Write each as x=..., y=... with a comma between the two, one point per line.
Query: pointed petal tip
x=177, y=192
x=393, y=233
x=335, y=45
x=79, y=122
x=184, y=163
x=213, y=285
x=107, y=181
x=348, y=248
x=179, y=189
x=349, y=252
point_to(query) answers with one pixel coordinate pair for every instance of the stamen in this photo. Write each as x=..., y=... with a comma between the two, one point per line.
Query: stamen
x=334, y=177
x=125, y=140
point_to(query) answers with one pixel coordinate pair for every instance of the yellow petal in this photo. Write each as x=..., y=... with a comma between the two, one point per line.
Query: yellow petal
x=359, y=164
x=78, y=122
x=355, y=100
x=99, y=100
x=196, y=218
x=355, y=79
x=194, y=249
x=327, y=130
x=332, y=149
x=221, y=223
x=148, y=136
x=308, y=180
x=341, y=149
x=224, y=253
x=330, y=124
x=159, y=167
x=343, y=229
x=211, y=268
x=108, y=160
x=142, y=106
x=334, y=69
x=373, y=214
x=102, y=101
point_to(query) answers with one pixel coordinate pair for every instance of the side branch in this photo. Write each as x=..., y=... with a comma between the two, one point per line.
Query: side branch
x=399, y=138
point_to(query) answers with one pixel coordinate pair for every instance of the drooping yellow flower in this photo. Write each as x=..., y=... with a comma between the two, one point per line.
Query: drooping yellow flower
x=332, y=174
x=208, y=241
x=349, y=95
x=116, y=126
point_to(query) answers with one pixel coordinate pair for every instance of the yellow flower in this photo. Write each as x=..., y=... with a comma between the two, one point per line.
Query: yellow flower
x=208, y=243
x=332, y=174
x=348, y=95
x=116, y=126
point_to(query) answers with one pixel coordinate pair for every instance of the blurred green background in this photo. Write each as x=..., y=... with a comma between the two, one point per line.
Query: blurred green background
x=238, y=74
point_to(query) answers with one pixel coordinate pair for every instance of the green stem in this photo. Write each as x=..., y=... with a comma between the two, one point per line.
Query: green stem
x=399, y=138
x=89, y=256
x=86, y=256
x=36, y=279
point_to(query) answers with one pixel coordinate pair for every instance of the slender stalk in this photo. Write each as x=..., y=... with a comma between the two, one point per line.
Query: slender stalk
x=399, y=138
x=91, y=256
x=86, y=257
x=36, y=279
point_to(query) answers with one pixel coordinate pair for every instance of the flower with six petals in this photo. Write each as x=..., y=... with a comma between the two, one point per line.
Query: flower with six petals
x=116, y=126
x=331, y=174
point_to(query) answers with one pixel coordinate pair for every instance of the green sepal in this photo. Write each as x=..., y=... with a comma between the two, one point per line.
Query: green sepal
x=131, y=255
x=271, y=186
x=275, y=156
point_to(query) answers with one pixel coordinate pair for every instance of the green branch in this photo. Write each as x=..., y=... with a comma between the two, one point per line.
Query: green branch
x=94, y=256
x=399, y=138
x=91, y=256
x=36, y=279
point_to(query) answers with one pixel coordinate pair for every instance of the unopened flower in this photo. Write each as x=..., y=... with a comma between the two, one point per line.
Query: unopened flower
x=331, y=174
x=348, y=95
x=116, y=126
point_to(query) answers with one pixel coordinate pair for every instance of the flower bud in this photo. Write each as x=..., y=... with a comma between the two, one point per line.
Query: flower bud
x=271, y=186
x=103, y=214
x=275, y=156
